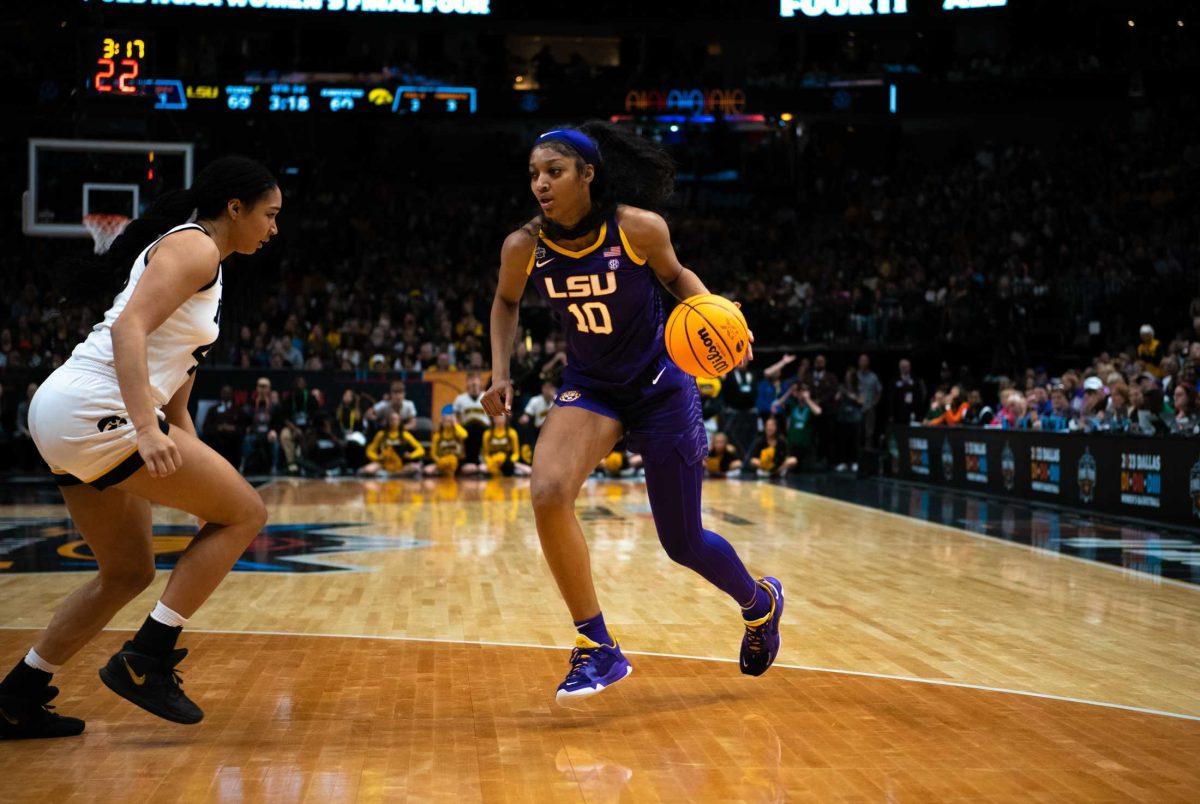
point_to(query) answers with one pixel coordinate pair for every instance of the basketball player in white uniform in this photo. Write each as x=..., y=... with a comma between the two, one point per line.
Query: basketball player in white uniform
x=113, y=425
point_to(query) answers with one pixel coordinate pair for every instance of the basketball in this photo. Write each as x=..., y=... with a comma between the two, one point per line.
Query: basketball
x=706, y=335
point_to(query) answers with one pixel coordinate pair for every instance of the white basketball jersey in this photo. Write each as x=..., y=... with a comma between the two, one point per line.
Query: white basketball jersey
x=174, y=349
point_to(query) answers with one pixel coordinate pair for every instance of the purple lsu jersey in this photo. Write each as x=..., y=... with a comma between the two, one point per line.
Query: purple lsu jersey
x=607, y=301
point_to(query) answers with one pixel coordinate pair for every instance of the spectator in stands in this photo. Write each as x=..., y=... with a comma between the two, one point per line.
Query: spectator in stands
x=299, y=409
x=871, y=390
x=1149, y=351
x=532, y=419
x=502, y=451
x=1061, y=417
x=352, y=428
x=937, y=407
x=723, y=457
x=711, y=407
x=449, y=447
x=260, y=447
x=954, y=409
x=848, y=422
x=224, y=430
x=1120, y=415
x=823, y=387
x=770, y=387
x=1186, y=420
x=396, y=402
x=979, y=414
x=1014, y=413
x=468, y=410
x=1095, y=403
x=393, y=450
x=769, y=456
x=1039, y=400
x=739, y=416
x=908, y=395
x=324, y=449
x=800, y=409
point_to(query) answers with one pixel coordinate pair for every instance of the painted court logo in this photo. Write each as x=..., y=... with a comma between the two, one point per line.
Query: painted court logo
x=1087, y=476
x=975, y=461
x=1008, y=467
x=947, y=460
x=569, y=396
x=53, y=545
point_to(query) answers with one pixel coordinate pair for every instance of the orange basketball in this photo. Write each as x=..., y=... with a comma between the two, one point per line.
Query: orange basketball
x=707, y=335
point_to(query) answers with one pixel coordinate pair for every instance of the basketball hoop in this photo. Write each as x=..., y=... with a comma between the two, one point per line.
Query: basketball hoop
x=104, y=229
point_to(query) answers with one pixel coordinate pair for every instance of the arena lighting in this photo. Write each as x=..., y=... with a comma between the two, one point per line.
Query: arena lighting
x=786, y=117
x=480, y=7
x=842, y=8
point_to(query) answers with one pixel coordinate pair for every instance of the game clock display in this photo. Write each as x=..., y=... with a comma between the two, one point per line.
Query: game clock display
x=117, y=63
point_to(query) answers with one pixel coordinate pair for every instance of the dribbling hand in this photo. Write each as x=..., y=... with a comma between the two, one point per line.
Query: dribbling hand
x=158, y=451
x=498, y=399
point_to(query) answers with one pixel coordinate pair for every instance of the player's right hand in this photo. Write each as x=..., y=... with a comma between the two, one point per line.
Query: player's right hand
x=158, y=451
x=498, y=399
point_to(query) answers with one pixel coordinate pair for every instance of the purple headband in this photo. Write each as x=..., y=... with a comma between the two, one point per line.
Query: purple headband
x=582, y=143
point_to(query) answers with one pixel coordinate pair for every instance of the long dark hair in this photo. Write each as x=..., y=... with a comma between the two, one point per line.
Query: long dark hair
x=633, y=171
x=221, y=180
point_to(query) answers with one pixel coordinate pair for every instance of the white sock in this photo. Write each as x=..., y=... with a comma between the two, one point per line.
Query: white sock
x=165, y=616
x=38, y=663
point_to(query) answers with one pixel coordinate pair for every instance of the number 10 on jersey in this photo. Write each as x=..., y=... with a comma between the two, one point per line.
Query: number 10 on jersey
x=592, y=317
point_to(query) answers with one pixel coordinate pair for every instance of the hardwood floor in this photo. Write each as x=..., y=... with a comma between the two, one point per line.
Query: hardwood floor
x=393, y=640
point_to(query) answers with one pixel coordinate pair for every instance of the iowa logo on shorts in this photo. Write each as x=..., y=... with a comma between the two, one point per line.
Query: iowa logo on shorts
x=569, y=396
x=53, y=545
x=110, y=423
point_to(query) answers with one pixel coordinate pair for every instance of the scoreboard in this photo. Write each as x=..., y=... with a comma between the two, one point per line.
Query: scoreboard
x=119, y=64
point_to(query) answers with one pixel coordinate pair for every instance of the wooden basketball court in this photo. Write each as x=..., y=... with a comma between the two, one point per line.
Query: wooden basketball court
x=402, y=640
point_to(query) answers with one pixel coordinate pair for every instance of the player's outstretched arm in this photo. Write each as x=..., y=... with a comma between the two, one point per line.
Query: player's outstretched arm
x=514, y=265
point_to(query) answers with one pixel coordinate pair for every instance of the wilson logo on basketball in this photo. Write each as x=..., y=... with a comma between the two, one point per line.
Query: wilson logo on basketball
x=712, y=354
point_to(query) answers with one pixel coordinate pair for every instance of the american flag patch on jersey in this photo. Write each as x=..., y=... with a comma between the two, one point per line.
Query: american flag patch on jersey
x=615, y=251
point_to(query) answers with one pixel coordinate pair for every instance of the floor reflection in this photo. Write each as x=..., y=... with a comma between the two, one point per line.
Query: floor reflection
x=1155, y=549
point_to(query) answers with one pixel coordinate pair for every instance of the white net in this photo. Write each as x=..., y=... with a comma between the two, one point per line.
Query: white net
x=105, y=229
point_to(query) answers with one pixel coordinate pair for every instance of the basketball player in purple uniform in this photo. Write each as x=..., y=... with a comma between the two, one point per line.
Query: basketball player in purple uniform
x=597, y=254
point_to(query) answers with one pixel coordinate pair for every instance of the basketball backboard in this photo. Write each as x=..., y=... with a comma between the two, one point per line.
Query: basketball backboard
x=69, y=179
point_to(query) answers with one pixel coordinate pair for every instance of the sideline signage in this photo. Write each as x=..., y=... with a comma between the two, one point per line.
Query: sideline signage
x=1153, y=478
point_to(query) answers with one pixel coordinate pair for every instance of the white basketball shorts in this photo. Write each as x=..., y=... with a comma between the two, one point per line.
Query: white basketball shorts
x=81, y=428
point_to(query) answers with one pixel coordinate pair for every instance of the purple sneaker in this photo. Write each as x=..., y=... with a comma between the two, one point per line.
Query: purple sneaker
x=593, y=667
x=760, y=643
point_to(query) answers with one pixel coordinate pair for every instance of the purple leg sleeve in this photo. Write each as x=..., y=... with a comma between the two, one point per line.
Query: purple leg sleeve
x=673, y=484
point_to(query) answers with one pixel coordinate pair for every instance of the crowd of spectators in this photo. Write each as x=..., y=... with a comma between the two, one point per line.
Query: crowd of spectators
x=1009, y=252
x=1148, y=389
x=1015, y=254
